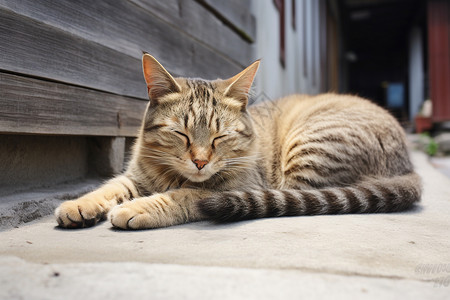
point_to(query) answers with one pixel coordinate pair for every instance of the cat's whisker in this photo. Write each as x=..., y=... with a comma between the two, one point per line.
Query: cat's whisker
x=221, y=177
x=169, y=169
x=147, y=150
x=238, y=165
x=162, y=163
x=239, y=161
x=157, y=158
x=241, y=158
x=153, y=150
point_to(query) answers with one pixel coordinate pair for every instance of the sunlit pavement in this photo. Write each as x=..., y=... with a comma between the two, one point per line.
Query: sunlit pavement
x=373, y=256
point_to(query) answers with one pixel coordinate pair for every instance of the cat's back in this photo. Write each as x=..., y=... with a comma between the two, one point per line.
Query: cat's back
x=331, y=107
x=337, y=133
x=326, y=113
x=332, y=113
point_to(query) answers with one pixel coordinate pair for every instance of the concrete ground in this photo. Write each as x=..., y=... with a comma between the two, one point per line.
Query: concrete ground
x=345, y=256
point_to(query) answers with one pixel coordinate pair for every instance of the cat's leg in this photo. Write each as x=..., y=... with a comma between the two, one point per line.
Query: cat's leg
x=159, y=210
x=87, y=210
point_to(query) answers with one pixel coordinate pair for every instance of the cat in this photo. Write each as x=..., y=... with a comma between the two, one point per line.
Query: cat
x=203, y=154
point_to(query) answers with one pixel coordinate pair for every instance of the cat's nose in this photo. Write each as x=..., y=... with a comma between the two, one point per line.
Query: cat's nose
x=200, y=163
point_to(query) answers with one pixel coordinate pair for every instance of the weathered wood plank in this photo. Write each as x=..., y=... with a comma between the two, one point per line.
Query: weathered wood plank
x=33, y=48
x=236, y=12
x=34, y=106
x=194, y=19
x=167, y=9
x=124, y=26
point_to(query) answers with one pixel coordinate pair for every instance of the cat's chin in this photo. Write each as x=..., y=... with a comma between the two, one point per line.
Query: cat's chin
x=199, y=177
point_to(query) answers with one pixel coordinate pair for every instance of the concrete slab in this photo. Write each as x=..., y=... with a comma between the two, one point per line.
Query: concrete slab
x=167, y=281
x=442, y=164
x=22, y=207
x=377, y=255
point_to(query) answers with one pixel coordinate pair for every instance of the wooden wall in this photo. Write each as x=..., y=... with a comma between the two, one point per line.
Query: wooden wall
x=439, y=58
x=73, y=67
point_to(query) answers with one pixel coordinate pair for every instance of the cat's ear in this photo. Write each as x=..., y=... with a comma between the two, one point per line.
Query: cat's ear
x=239, y=85
x=159, y=81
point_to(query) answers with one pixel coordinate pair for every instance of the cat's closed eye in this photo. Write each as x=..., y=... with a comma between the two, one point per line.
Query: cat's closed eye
x=188, y=141
x=213, y=144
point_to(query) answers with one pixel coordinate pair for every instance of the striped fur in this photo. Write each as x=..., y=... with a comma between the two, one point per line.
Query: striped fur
x=371, y=196
x=300, y=155
x=334, y=154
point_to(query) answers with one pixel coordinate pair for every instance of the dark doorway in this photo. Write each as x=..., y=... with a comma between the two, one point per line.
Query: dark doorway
x=376, y=40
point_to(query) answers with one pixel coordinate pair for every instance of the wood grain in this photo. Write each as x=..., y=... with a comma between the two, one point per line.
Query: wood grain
x=73, y=67
x=128, y=28
x=30, y=47
x=235, y=12
x=34, y=106
x=194, y=19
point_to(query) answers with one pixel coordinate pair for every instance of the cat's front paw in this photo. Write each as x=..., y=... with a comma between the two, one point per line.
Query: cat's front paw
x=80, y=213
x=125, y=217
x=132, y=215
x=148, y=212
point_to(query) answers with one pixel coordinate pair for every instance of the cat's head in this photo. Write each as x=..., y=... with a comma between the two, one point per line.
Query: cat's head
x=197, y=128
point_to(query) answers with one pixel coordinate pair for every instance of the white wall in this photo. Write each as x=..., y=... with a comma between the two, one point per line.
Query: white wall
x=274, y=80
x=416, y=82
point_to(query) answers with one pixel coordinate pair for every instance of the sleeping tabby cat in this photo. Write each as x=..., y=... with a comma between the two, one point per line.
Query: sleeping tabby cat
x=202, y=154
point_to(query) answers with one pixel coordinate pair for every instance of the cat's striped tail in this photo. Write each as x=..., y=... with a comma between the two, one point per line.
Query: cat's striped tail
x=369, y=196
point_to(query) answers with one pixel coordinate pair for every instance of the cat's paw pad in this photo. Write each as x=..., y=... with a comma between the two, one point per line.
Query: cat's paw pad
x=150, y=212
x=79, y=214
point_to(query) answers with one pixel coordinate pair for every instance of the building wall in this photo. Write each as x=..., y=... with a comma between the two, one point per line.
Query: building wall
x=416, y=72
x=304, y=70
x=28, y=161
x=439, y=58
